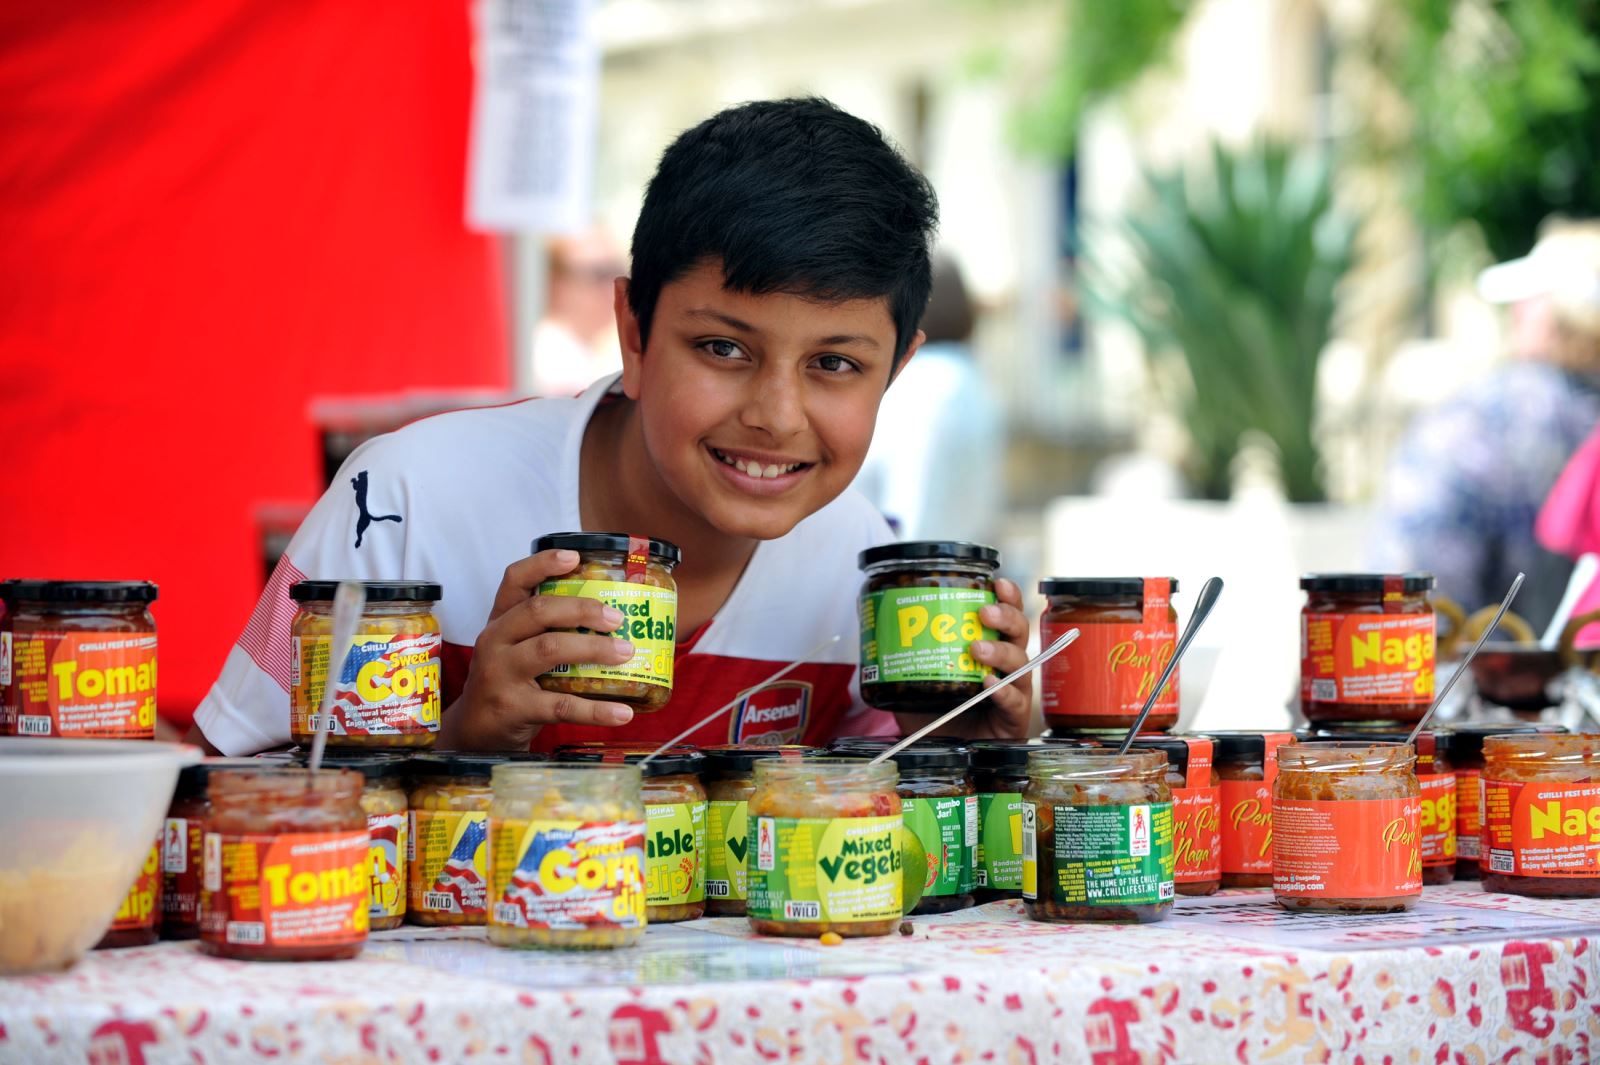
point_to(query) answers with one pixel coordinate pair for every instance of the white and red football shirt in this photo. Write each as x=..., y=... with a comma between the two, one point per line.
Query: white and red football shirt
x=458, y=497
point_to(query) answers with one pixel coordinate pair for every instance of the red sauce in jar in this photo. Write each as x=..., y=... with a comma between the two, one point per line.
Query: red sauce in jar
x=1127, y=631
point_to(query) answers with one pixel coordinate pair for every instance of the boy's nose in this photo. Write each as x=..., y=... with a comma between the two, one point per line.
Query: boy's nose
x=776, y=405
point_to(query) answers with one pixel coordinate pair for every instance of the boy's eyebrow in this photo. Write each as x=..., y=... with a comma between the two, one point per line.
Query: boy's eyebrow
x=745, y=327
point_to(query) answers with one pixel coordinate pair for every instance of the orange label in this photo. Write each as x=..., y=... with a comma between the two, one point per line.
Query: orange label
x=1437, y=819
x=81, y=685
x=1197, y=833
x=1546, y=830
x=1350, y=849
x=138, y=909
x=1247, y=815
x=299, y=888
x=1110, y=670
x=1469, y=813
x=1371, y=659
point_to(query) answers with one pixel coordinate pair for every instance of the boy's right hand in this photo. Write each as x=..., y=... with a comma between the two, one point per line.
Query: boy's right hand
x=502, y=706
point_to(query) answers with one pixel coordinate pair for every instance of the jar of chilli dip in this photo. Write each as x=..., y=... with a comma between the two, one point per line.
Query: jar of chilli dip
x=1541, y=815
x=1366, y=647
x=1466, y=753
x=1127, y=629
x=1436, y=776
x=1247, y=766
x=730, y=780
x=1196, y=810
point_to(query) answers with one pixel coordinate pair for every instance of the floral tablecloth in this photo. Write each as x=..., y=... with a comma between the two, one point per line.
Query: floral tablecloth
x=1470, y=977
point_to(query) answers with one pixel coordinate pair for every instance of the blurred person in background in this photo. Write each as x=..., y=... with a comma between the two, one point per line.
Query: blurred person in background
x=574, y=344
x=935, y=467
x=1467, y=481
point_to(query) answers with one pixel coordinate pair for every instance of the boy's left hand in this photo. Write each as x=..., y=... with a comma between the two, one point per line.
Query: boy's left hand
x=1006, y=714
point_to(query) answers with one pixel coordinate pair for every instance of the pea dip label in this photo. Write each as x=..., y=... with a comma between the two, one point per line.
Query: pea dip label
x=844, y=869
x=922, y=634
x=1102, y=855
x=675, y=838
x=999, y=862
x=650, y=623
x=725, y=857
x=948, y=829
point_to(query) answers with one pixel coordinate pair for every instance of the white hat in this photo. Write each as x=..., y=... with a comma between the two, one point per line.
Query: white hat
x=1564, y=264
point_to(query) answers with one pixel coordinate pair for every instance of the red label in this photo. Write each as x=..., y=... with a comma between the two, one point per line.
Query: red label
x=139, y=907
x=81, y=685
x=774, y=715
x=1544, y=830
x=1110, y=670
x=1197, y=834
x=1247, y=815
x=1469, y=813
x=1349, y=849
x=181, y=844
x=1437, y=818
x=638, y=558
x=1368, y=659
x=295, y=889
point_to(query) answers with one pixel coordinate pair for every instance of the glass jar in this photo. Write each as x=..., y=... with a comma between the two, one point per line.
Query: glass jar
x=384, y=800
x=1436, y=776
x=448, y=825
x=919, y=607
x=1346, y=829
x=1196, y=810
x=567, y=857
x=939, y=805
x=183, y=843
x=999, y=776
x=730, y=780
x=1366, y=647
x=78, y=659
x=137, y=922
x=285, y=866
x=1127, y=629
x=1097, y=836
x=675, y=818
x=391, y=691
x=1541, y=815
x=826, y=851
x=634, y=576
x=1247, y=765
x=1466, y=752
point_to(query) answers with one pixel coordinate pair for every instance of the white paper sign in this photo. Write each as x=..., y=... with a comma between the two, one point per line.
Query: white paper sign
x=534, y=111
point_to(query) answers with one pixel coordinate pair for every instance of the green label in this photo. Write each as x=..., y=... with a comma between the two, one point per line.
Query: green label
x=826, y=869
x=948, y=829
x=650, y=623
x=1103, y=855
x=922, y=634
x=674, y=840
x=1000, y=841
x=725, y=857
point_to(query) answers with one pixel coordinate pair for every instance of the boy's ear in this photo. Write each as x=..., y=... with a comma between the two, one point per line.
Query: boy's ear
x=911, y=349
x=627, y=338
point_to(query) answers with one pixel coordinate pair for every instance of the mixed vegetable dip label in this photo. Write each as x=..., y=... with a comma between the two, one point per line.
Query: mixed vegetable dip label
x=1544, y=830
x=675, y=838
x=726, y=875
x=449, y=852
x=293, y=889
x=568, y=874
x=391, y=685
x=80, y=685
x=922, y=634
x=838, y=869
x=999, y=860
x=948, y=829
x=1103, y=855
x=650, y=623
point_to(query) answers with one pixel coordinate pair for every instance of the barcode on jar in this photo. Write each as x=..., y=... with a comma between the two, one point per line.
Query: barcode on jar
x=247, y=932
x=795, y=910
x=1325, y=689
x=33, y=725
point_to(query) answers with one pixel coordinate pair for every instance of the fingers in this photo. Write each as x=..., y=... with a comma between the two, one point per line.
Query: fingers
x=534, y=657
x=1008, y=620
x=1009, y=709
x=522, y=577
x=541, y=613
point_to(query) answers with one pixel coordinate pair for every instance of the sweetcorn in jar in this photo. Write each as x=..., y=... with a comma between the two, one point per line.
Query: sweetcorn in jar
x=1247, y=765
x=567, y=857
x=825, y=848
x=634, y=576
x=1466, y=752
x=730, y=780
x=447, y=861
x=384, y=801
x=1196, y=810
x=1541, y=815
x=1346, y=833
x=391, y=691
x=1436, y=776
x=1367, y=647
x=1127, y=630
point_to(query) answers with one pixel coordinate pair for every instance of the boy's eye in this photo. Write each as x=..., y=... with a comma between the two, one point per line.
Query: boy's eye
x=721, y=349
x=835, y=364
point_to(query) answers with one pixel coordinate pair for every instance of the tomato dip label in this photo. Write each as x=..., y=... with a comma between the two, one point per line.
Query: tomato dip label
x=391, y=685
x=1247, y=815
x=1438, y=818
x=1103, y=855
x=568, y=874
x=1544, y=830
x=727, y=826
x=1350, y=849
x=999, y=857
x=448, y=852
x=675, y=838
x=650, y=623
x=923, y=634
x=82, y=685
x=841, y=869
x=294, y=889
x=1110, y=669
x=386, y=852
x=138, y=909
x=1469, y=813
x=1367, y=659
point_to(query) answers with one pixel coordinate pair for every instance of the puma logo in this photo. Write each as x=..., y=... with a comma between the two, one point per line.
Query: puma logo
x=359, y=483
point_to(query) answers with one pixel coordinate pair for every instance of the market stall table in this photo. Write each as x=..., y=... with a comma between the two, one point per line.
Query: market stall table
x=1468, y=976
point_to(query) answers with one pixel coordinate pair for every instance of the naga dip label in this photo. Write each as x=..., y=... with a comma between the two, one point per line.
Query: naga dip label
x=1541, y=829
x=840, y=870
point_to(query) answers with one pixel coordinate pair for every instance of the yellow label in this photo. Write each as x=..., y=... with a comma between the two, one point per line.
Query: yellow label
x=650, y=623
x=449, y=862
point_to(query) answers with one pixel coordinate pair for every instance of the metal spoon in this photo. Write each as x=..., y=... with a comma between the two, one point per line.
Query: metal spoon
x=1209, y=593
x=1505, y=605
x=348, y=601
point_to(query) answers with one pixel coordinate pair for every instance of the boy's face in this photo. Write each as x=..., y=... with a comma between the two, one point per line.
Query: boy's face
x=756, y=410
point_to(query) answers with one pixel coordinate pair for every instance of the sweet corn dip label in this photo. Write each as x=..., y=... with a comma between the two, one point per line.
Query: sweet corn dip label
x=1544, y=830
x=138, y=909
x=843, y=869
x=447, y=859
x=391, y=685
x=1101, y=855
x=79, y=685
x=999, y=857
x=675, y=839
x=294, y=889
x=728, y=829
x=1367, y=659
x=569, y=875
x=1437, y=819
x=650, y=623
x=1346, y=849
x=922, y=634
x=386, y=849
x=948, y=829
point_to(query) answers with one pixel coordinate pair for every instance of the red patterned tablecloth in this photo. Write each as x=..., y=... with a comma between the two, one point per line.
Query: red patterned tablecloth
x=1470, y=977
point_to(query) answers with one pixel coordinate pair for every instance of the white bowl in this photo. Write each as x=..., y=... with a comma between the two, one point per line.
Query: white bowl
x=77, y=820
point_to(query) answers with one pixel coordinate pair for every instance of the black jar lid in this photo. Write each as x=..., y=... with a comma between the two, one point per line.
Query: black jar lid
x=15, y=591
x=377, y=591
x=376, y=766
x=920, y=755
x=477, y=765
x=1382, y=732
x=742, y=757
x=1176, y=748
x=616, y=543
x=929, y=551
x=1097, y=585
x=1466, y=739
x=675, y=761
x=1237, y=746
x=193, y=779
x=991, y=755
x=1366, y=583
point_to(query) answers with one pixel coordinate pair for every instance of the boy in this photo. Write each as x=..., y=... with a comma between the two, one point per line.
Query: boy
x=780, y=268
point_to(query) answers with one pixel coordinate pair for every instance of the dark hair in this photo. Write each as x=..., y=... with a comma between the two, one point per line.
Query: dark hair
x=792, y=196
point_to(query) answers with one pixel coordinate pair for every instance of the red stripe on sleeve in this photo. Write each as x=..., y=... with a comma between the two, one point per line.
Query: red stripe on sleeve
x=266, y=638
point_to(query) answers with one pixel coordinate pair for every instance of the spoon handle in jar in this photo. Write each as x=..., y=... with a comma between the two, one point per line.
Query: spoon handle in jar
x=1209, y=592
x=349, y=600
x=1022, y=671
x=1505, y=604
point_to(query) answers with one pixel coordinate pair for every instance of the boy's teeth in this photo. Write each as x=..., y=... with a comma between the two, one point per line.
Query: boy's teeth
x=755, y=469
x=772, y=471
